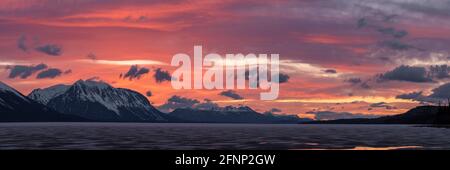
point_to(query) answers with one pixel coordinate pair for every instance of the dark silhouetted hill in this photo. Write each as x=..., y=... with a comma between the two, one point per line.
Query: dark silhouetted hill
x=418, y=115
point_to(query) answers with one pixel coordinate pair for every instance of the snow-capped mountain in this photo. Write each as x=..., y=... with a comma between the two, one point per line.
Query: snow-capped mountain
x=43, y=96
x=16, y=107
x=96, y=100
x=231, y=114
x=239, y=109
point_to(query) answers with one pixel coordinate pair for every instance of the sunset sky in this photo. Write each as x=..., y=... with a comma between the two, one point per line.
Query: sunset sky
x=343, y=57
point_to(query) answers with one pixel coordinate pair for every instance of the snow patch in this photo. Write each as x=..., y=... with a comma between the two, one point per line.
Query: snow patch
x=43, y=96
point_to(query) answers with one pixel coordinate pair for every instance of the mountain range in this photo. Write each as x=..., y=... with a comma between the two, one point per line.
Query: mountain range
x=91, y=100
x=230, y=114
x=96, y=100
x=15, y=107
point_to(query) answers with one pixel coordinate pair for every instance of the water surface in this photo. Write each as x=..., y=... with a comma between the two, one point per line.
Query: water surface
x=219, y=136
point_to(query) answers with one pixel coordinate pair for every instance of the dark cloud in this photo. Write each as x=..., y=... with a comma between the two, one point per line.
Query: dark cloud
x=357, y=81
x=378, y=23
x=68, y=71
x=353, y=80
x=417, y=74
x=419, y=97
x=149, y=93
x=425, y=9
x=141, y=18
x=439, y=71
x=383, y=58
x=50, y=73
x=135, y=72
x=383, y=105
x=283, y=78
x=438, y=95
x=407, y=73
x=441, y=92
x=362, y=22
x=396, y=45
x=50, y=49
x=330, y=71
x=389, y=18
x=183, y=100
x=411, y=96
x=21, y=43
x=231, y=94
x=330, y=115
x=142, y=71
x=162, y=75
x=24, y=71
x=91, y=56
x=365, y=85
x=176, y=102
x=393, y=32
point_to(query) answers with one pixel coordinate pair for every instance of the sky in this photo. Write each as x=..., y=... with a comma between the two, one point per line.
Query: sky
x=340, y=58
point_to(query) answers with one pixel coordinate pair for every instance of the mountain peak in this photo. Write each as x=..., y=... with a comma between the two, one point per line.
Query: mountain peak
x=97, y=100
x=239, y=108
x=44, y=95
x=58, y=86
x=5, y=87
x=14, y=107
x=92, y=84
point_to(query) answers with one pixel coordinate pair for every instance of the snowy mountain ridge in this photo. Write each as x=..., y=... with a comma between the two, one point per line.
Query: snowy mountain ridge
x=98, y=100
